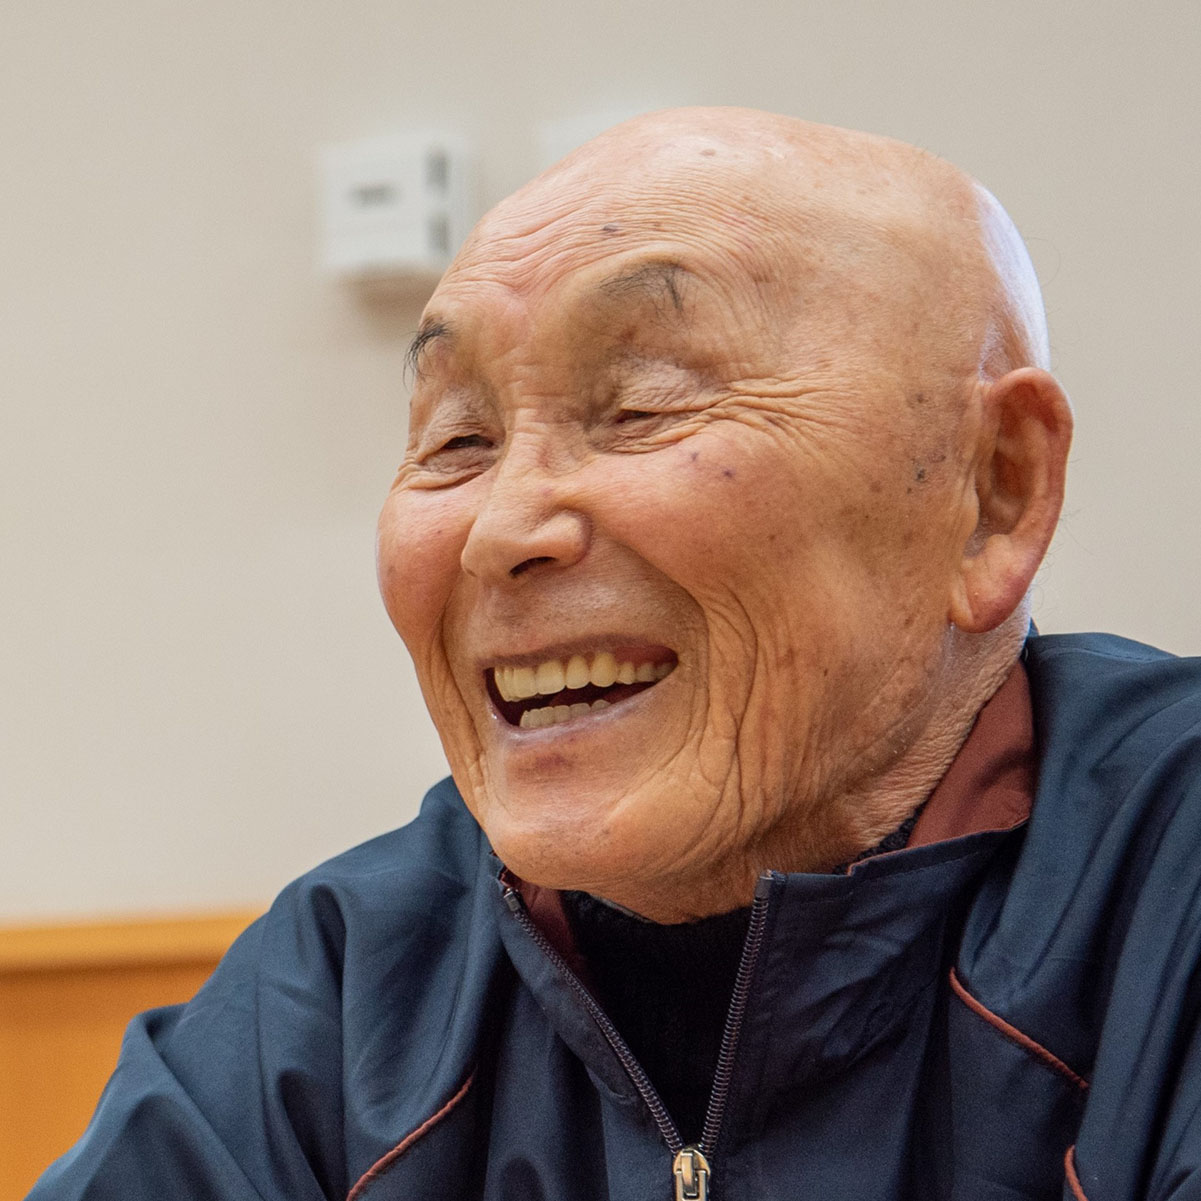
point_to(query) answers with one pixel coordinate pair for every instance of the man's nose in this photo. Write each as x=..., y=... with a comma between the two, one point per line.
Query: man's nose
x=529, y=520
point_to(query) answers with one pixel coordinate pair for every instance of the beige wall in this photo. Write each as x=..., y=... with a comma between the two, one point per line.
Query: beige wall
x=201, y=694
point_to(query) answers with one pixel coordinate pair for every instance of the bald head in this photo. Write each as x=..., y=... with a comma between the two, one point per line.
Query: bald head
x=895, y=223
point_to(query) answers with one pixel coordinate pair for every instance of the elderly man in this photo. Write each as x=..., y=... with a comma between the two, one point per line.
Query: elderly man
x=780, y=861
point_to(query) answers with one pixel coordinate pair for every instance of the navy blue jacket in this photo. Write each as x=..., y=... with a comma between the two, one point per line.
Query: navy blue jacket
x=1006, y=1015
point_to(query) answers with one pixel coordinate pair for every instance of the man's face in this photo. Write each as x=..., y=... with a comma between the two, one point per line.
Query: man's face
x=673, y=470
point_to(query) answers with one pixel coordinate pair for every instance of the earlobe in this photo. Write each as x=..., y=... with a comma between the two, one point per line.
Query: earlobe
x=1025, y=433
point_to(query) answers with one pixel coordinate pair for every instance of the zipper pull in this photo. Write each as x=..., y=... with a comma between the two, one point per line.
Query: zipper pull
x=691, y=1170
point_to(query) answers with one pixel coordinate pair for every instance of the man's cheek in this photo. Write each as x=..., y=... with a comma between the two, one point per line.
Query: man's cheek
x=444, y=687
x=416, y=574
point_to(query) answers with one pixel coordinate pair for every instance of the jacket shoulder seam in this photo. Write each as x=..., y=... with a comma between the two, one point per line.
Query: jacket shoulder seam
x=386, y=1161
x=1014, y=1035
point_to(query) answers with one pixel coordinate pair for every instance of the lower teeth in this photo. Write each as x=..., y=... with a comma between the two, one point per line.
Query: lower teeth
x=552, y=715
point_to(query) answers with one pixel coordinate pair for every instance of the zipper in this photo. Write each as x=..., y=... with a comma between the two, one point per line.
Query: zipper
x=691, y=1170
x=667, y=1127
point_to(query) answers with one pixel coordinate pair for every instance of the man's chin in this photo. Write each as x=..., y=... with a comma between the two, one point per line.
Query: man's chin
x=571, y=850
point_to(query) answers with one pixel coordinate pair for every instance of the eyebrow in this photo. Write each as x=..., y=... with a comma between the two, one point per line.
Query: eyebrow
x=430, y=331
x=658, y=282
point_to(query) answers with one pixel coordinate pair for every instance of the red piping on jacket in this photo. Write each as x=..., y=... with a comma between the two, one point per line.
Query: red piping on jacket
x=1069, y=1168
x=385, y=1162
x=1015, y=1035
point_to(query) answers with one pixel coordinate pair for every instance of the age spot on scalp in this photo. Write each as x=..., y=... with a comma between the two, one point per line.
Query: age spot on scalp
x=728, y=472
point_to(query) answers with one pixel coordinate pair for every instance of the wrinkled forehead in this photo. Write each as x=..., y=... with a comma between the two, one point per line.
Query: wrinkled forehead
x=854, y=234
x=576, y=230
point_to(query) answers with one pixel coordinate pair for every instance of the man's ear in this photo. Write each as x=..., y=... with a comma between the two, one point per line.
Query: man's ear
x=1025, y=431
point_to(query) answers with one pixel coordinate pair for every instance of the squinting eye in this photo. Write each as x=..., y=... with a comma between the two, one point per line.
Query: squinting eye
x=635, y=415
x=463, y=441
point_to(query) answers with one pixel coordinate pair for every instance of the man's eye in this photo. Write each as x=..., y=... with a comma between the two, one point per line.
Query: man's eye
x=462, y=452
x=464, y=441
x=636, y=415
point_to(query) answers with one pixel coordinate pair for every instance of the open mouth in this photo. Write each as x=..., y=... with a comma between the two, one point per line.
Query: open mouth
x=560, y=690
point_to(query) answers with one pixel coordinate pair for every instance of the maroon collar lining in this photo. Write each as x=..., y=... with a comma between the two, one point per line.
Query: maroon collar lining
x=990, y=783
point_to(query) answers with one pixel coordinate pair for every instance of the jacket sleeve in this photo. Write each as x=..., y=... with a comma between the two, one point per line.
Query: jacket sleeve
x=215, y=1099
x=1169, y=1168
x=1176, y=1175
x=1140, y=1139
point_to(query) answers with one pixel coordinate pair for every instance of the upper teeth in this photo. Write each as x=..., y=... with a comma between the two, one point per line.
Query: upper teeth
x=519, y=683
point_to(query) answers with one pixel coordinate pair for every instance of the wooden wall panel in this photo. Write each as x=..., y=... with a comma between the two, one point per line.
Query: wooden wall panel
x=66, y=995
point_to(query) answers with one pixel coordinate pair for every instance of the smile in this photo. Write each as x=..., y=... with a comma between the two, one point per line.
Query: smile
x=560, y=690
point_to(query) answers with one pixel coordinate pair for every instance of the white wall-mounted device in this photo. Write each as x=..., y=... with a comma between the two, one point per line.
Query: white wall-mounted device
x=395, y=208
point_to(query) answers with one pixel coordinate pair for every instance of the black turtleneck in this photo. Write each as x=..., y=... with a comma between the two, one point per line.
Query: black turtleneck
x=667, y=988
